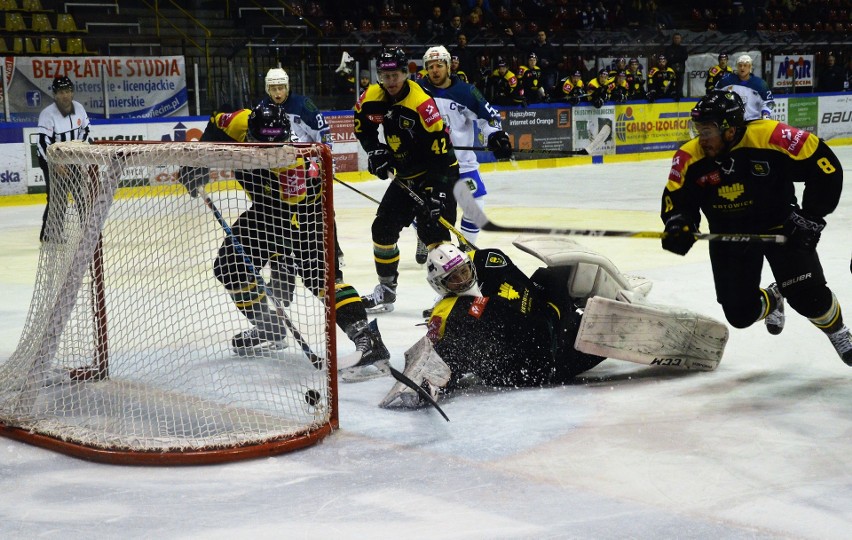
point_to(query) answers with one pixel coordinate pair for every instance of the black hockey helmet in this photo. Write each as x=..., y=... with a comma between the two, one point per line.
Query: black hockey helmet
x=268, y=123
x=392, y=59
x=61, y=83
x=720, y=107
x=723, y=55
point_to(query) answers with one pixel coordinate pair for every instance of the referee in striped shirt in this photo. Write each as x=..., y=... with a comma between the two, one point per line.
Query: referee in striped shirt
x=63, y=120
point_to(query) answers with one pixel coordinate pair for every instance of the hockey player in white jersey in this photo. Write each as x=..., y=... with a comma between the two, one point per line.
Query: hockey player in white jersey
x=463, y=107
x=753, y=90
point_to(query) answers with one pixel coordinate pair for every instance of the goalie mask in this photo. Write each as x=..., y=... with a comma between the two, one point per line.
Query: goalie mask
x=451, y=272
x=268, y=123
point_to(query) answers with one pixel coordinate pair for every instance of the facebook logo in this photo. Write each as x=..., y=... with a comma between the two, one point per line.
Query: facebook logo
x=34, y=98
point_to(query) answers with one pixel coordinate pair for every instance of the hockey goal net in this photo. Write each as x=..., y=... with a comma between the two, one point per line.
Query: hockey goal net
x=126, y=354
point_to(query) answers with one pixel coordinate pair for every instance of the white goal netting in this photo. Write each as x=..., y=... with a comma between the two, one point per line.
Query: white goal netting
x=127, y=352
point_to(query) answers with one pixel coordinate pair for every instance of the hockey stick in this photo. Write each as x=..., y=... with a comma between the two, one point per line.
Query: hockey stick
x=420, y=391
x=593, y=147
x=313, y=357
x=474, y=212
x=420, y=202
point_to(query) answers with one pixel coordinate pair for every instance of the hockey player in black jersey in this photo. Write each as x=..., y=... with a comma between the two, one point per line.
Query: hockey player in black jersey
x=741, y=176
x=280, y=225
x=416, y=151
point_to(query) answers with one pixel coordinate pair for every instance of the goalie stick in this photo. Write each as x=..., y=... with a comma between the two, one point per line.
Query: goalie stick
x=592, y=148
x=476, y=214
x=312, y=356
x=420, y=391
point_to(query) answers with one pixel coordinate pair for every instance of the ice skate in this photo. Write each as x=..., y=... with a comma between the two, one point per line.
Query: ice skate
x=371, y=353
x=250, y=342
x=382, y=298
x=775, y=320
x=422, y=252
x=842, y=341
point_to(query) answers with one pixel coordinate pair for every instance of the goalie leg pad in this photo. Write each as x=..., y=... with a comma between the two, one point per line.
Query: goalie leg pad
x=651, y=334
x=426, y=369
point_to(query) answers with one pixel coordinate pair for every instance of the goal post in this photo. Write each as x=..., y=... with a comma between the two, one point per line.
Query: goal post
x=125, y=355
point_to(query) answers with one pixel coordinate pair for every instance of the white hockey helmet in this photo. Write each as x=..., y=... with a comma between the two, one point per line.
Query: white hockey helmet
x=436, y=53
x=744, y=59
x=277, y=76
x=450, y=271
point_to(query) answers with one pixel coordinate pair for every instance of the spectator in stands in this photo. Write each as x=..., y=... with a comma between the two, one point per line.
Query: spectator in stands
x=468, y=59
x=453, y=30
x=676, y=55
x=434, y=27
x=547, y=57
x=832, y=77
x=475, y=24
x=63, y=120
x=717, y=72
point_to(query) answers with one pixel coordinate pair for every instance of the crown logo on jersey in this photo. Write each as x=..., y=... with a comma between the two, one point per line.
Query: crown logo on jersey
x=731, y=192
x=506, y=291
x=394, y=142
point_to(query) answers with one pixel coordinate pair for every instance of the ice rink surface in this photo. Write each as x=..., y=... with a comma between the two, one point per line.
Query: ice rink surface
x=759, y=448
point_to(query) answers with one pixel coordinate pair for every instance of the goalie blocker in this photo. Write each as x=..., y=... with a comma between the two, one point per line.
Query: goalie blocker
x=614, y=320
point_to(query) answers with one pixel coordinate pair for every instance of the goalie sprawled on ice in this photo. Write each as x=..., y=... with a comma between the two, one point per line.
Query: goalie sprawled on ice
x=497, y=327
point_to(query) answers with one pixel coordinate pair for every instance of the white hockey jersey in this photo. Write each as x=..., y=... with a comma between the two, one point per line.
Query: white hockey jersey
x=755, y=93
x=463, y=108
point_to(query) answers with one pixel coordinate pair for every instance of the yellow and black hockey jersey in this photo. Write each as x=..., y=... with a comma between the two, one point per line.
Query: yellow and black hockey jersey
x=413, y=129
x=751, y=188
x=278, y=187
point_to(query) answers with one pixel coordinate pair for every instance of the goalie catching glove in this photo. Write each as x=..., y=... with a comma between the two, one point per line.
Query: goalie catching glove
x=679, y=235
x=193, y=179
x=499, y=144
x=803, y=232
x=379, y=162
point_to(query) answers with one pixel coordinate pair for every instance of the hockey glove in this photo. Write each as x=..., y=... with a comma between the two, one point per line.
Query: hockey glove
x=431, y=210
x=379, y=162
x=598, y=102
x=499, y=144
x=802, y=231
x=679, y=235
x=193, y=179
x=652, y=96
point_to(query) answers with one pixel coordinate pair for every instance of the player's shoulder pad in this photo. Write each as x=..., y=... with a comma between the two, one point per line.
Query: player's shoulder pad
x=373, y=93
x=796, y=143
x=418, y=100
x=686, y=155
x=489, y=258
